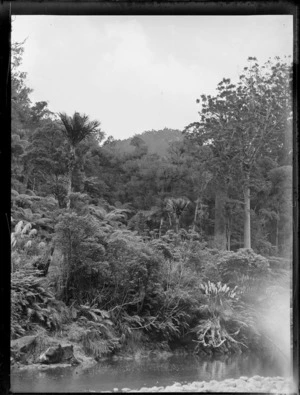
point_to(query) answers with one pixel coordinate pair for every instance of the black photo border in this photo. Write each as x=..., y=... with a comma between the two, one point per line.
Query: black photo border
x=121, y=7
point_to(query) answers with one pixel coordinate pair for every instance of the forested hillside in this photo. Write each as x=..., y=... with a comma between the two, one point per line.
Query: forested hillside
x=157, y=141
x=183, y=238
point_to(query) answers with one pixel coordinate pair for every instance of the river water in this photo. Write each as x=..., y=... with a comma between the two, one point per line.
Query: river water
x=146, y=372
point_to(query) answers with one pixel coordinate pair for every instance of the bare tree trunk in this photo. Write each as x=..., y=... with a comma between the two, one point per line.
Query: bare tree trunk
x=196, y=212
x=220, y=221
x=49, y=260
x=247, y=222
x=177, y=224
x=27, y=178
x=69, y=187
x=33, y=186
x=70, y=173
x=277, y=234
x=170, y=221
x=228, y=234
x=160, y=226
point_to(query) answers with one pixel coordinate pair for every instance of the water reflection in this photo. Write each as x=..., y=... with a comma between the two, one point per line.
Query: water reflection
x=146, y=372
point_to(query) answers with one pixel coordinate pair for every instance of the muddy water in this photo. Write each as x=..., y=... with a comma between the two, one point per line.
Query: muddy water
x=134, y=374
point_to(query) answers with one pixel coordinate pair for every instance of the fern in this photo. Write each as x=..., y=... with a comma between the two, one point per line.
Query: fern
x=33, y=304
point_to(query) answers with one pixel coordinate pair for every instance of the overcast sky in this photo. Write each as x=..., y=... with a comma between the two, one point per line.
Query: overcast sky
x=137, y=73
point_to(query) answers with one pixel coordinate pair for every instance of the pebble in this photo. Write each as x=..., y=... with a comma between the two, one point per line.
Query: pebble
x=243, y=384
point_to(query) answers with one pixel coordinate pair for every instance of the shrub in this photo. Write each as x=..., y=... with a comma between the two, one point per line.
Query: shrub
x=94, y=330
x=243, y=267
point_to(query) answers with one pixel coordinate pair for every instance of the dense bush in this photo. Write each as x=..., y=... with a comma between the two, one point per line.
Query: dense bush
x=128, y=253
x=80, y=240
x=94, y=330
x=126, y=292
x=244, y=268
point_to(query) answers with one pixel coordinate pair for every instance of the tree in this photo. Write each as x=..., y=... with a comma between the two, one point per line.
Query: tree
x=45, y=161
x=25, y=120
x=264, y=99
x=77, y=128
x=176, y=207
x=20, y=110
x=80, y=239
x=242, y=124
x=278, y=212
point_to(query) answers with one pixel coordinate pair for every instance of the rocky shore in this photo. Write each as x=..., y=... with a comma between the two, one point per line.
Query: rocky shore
x=277, y=385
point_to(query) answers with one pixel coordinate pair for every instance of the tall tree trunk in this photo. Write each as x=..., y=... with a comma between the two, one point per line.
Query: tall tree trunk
x=27, y=178
x=33, y=185
x=277, y=234
x=160, y=226
x=220, y=220
x=195, y=215
x=69, y=187
x=49, y=260
x=70, y=173
x=247, y=222
x=228, y=234
x=177, y=224
x=170, y=220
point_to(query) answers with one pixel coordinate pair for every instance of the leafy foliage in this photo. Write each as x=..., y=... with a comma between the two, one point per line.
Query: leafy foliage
x=244, y=266
x=94, y=330
x=78, y=127
x=131, y=233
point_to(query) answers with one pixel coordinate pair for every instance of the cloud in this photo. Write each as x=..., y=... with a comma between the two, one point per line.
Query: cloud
x=137, y=73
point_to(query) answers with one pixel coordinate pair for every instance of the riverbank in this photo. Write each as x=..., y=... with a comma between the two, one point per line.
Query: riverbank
x=34, y=357
x=243, y=384
x=165, y=372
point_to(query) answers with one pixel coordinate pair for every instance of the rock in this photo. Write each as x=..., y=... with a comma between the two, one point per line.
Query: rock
x=20, y=348
x=58, y=354
x=26, y=349
x=52, y=355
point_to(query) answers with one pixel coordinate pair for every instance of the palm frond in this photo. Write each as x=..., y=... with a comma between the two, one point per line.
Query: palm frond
x=78, y=127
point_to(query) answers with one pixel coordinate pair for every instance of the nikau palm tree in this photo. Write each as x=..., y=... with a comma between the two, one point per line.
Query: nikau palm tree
x=76, y=129
x=176, y=207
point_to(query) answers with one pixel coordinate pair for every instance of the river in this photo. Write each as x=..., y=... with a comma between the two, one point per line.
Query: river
x=137, y=373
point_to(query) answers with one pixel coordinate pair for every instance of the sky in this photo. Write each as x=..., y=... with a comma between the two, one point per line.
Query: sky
x=138, y=73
